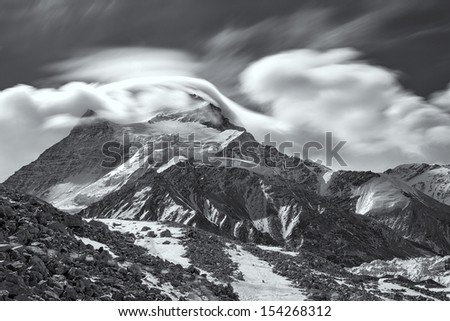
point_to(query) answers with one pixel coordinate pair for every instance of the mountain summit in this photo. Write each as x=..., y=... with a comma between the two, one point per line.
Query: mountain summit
x=196, y=168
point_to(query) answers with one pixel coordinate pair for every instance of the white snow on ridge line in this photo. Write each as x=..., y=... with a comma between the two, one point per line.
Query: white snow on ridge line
x=382, y=192
x=434, y=183
x=260, y=283
x=173, y=252
x=173, y=161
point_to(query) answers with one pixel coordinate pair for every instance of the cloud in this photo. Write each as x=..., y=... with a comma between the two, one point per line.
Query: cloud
x=32, y=120
x=304, y=93
x=332, y=91
x=115, y=64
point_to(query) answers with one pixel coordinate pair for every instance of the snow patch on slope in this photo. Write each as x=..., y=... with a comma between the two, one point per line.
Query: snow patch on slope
x=173, y=252
x=260, y=283
x=387, y=287
x=96, y=245
x=73, y=197
x=324, y=181
x=382, y=192
x=276, y=249
x=432, y=180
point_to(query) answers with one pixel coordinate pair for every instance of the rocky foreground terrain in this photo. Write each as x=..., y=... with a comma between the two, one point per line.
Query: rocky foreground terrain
x=43, y=257
x=49, y=255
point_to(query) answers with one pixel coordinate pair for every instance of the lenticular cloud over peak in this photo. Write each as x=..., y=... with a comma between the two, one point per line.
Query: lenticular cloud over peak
x=302, y=94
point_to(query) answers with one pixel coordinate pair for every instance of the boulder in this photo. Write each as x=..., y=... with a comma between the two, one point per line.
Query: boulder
x=193, y=270
x=4, y=295
x=5, y=247
x=70, y=294
x=135, y=270
x=165, y=233
x=151, y=234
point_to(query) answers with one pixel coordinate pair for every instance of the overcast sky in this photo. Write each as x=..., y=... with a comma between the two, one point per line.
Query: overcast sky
x=375, y=73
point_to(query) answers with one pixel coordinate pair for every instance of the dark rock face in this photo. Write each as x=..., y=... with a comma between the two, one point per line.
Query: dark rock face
x=78, y=159
x=231, y=202
x=51, y=263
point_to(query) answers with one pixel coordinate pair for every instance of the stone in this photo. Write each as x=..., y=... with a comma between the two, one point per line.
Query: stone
x=15, y=266
x=135, y=270
x=317, y=295
x=335, y=296
x=89, y=259
x=13, y=284
x=36, y=250
x=165, y=233
x=98, y=224
x=70, y=294
x=166, y=242
x=145, y=229
x=42, y=217
x=5, y=247
x=3, y=236
x=151, y=234
x=193, y=270
x=51, y=295
x=4, y=295
x=38, y=265
x=6, y=212
x=23, y=236
x=56, y=226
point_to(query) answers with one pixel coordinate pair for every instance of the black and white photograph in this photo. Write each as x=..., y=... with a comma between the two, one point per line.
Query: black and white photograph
x=287, y=151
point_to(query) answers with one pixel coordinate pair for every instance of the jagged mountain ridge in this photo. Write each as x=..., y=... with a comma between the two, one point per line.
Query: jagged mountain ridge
x=433, y=180
x=404, y=209
x=71, y=164
x=262, y=196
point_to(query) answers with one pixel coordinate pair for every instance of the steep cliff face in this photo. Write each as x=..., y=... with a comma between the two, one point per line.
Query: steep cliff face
x=395, y=204
x=70, y=165
x=432, y=180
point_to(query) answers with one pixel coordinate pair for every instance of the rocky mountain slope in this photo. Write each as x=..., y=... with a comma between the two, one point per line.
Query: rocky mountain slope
x=407, y=211
x=49, y=255
x=66, y=168
x=196, y=168
x=46, y=254
x=432, y=180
